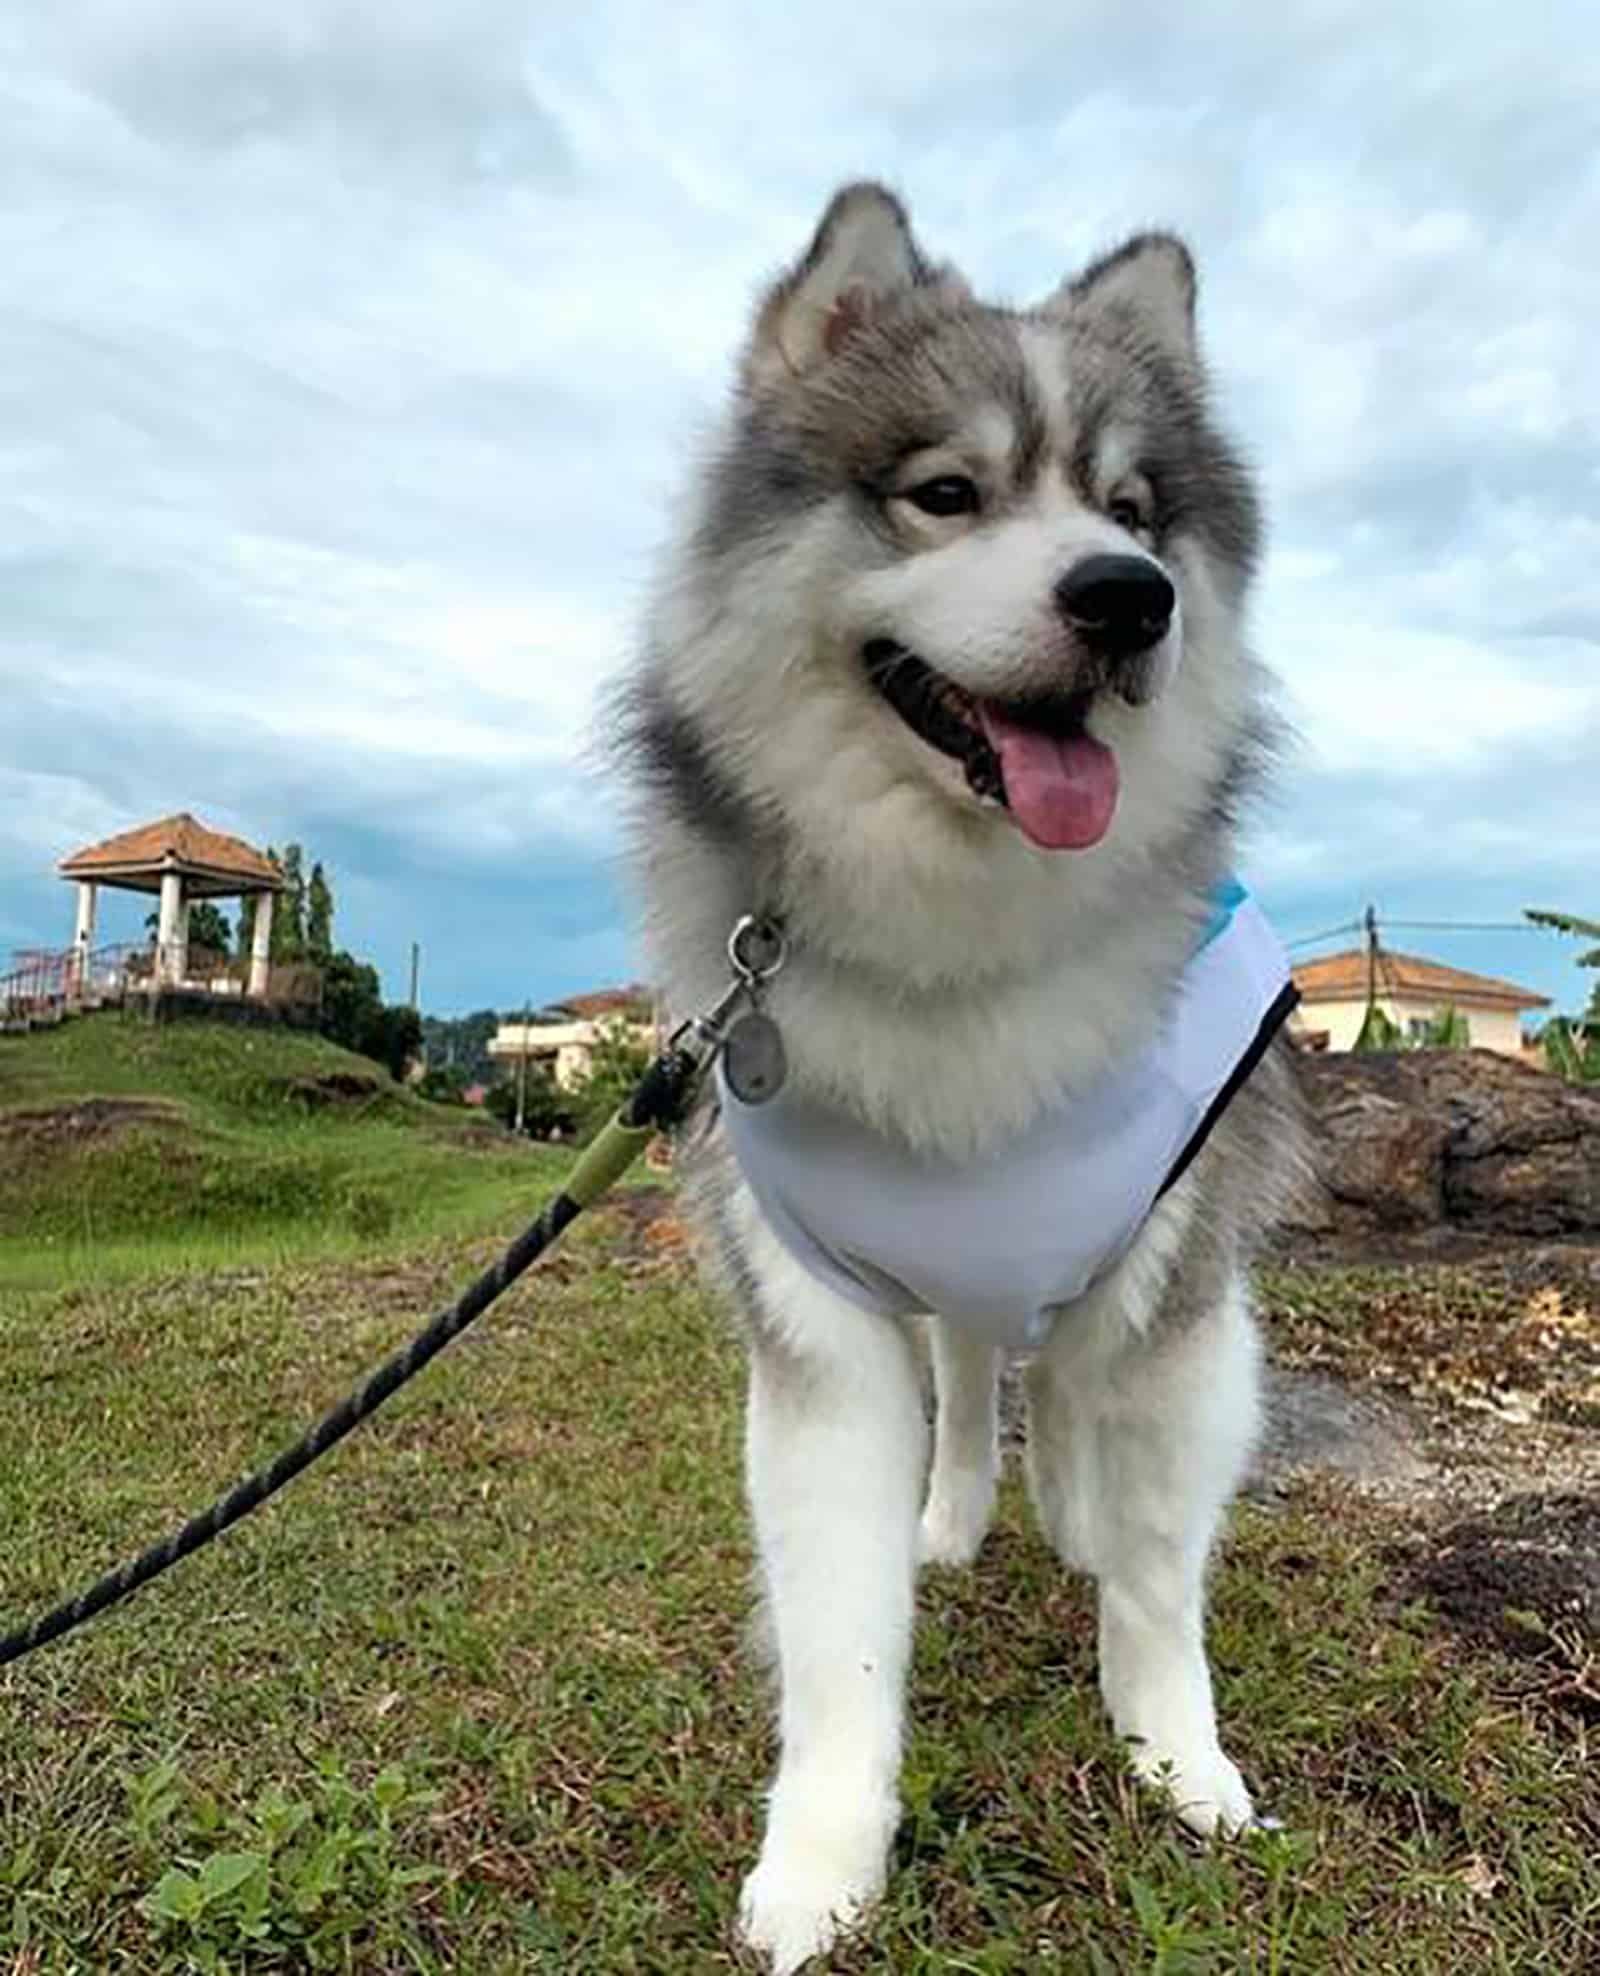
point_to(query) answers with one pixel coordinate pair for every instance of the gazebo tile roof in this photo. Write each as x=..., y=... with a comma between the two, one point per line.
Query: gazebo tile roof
x=180, y=840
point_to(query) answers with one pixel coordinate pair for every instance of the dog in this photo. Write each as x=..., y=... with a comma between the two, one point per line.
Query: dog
x=944, y=681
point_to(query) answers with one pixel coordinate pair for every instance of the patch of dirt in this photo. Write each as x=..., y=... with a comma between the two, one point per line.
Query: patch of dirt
x=476, y=1135
x=1514, y=1576
x=1455, y=1406
x=1515, y=1335
x=46, y=1127
x=648, y=1225
x=332, y=1089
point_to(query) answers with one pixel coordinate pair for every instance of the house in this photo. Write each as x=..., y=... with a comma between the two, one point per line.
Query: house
x=1413, y=993
x=561, y=1038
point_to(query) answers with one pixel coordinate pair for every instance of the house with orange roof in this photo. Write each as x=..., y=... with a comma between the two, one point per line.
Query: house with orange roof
x=562, y=1037
x=1413, y=993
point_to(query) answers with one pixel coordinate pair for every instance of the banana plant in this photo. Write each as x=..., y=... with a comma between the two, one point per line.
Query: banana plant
x=1448, y=1030
x=1572, y=1046
x=1583, y=929
x=1572, y=1049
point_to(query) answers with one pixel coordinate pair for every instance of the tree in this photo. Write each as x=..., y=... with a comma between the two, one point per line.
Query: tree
x=443, y=1084
x=319, y=918
x=247, y=924
x=208, y=927
x=618, y=1058
x=545, y=1108
x=355, y=1014
x=1377, y=1031
x=1583, y=929
x=1448, y=1030
x=393, y=1037
x=464, y=1042
x=289, y=914
x=352, y=1000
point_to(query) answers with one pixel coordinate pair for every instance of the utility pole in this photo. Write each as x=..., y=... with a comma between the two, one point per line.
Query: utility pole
x=522, y=1065
x=1371, y=923
x=416, y=969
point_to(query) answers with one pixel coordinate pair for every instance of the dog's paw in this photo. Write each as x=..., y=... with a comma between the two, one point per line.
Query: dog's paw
x=952, y=1530
x=792, y=1909
x=790, y=1917
x=1203, y=1787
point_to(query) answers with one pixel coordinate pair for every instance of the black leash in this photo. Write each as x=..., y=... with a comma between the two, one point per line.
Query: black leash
x=658, y=1101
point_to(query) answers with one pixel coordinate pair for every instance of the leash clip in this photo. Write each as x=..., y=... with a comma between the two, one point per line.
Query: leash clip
x=757, y=951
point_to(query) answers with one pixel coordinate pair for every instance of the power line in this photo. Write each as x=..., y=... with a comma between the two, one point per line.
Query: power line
x=1423, y=926
x=1311, y=939
x=1468, y=925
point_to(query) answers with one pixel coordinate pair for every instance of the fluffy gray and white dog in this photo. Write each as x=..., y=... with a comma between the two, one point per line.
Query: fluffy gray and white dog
x=945, y=676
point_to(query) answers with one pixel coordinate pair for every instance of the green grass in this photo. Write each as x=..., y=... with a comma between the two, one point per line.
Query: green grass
x=125, y=1146
x=472, y=1696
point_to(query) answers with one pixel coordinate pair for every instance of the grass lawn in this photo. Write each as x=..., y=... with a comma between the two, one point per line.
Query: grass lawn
x=472, y=1695
x=126, y=1146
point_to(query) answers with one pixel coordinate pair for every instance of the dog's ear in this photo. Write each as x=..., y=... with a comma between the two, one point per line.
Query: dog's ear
x=1150, y=282
x=862, y=252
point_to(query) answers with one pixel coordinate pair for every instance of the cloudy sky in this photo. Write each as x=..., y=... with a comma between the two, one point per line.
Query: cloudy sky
x=349, y=354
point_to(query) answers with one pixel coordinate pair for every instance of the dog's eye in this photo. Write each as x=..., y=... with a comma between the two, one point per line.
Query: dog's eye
x=948, y=494
x=1126, y=513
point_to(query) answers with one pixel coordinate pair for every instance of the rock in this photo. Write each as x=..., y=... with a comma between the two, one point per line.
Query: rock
x=1460, y=1139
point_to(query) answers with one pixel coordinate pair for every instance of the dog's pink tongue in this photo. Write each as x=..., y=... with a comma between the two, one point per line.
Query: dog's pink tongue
x=1062, y=790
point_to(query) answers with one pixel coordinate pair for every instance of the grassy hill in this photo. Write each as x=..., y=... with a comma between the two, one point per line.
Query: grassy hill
x=124, y=1144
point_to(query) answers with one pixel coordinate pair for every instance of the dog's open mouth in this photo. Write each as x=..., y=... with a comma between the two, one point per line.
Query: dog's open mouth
x=1035, y=756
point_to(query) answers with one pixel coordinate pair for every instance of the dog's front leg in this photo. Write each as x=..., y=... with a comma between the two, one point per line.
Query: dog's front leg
x=966, y=1445
x=836, y=1448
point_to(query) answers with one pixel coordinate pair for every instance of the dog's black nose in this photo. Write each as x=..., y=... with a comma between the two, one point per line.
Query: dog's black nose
x=1118, y=605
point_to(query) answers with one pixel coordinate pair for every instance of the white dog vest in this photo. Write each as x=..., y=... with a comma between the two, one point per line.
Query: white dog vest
x=999, y=1241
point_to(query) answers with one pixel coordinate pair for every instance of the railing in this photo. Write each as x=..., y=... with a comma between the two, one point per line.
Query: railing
x=43, y=984
x=37, y=985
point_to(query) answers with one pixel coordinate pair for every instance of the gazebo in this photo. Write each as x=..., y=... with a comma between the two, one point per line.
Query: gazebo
x=179, y=859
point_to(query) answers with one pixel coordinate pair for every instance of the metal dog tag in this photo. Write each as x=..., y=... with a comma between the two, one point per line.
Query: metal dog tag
x=753, y=1060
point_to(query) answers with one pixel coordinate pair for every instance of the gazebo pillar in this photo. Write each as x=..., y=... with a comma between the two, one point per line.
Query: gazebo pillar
x=261, y=945
x=171, y=956
x=83, y=933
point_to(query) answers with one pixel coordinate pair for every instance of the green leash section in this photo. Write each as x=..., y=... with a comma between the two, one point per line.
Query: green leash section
x=606, y=1159
x=659, y=1101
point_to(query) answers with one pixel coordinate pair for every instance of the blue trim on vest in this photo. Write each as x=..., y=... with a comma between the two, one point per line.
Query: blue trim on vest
x=1226, y=897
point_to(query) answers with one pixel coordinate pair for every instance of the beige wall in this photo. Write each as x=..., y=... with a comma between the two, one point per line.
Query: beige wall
x=563, y=1047
x=1488, y=1029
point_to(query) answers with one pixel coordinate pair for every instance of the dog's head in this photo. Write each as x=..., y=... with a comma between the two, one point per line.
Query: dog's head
x=1001, y=536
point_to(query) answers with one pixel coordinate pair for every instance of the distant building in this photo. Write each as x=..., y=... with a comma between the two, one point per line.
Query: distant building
x=1413, y=993
x=561, y=1038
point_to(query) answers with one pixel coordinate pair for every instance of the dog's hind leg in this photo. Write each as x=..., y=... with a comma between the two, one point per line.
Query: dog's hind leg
x=835, y=1452
x=966, y=1446
x=1134, y=1455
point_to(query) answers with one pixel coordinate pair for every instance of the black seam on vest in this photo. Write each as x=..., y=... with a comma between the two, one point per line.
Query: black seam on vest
x=1276, y=1016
